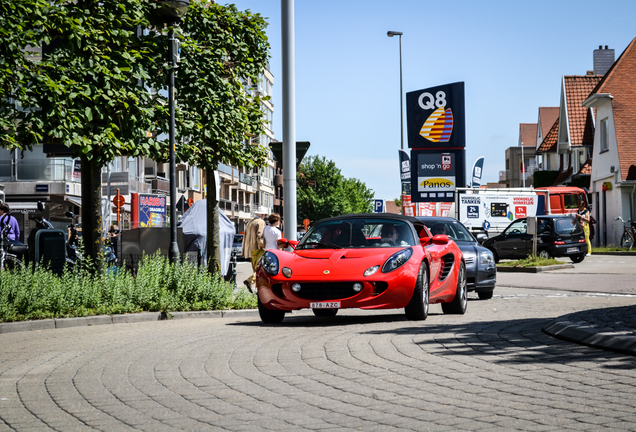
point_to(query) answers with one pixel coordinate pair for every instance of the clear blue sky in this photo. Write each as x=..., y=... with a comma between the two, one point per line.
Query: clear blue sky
x=510, y=54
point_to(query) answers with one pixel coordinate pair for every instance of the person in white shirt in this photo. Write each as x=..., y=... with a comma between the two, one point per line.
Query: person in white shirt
x=271, y=233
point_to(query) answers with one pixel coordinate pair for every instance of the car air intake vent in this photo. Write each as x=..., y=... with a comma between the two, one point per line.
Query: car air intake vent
x=469, y=260
x=448, y=260
x=326, y=291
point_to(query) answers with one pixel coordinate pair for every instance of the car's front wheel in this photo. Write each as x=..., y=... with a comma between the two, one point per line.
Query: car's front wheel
x=484, y=295
x=577, y=258
x=417, y=309
x=325, y=312
x=269, y=316
x=460, y=302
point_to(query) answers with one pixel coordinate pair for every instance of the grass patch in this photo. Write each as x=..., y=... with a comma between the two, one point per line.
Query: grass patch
x=159, y=286
x=531, y=261
x=612, y=249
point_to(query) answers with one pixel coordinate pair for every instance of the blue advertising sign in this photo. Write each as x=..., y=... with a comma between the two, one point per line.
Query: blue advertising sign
x=472, y=212
x=152, y=210
x=436, y=174
x=378, y=206
x=435, y=117
x=478, y=168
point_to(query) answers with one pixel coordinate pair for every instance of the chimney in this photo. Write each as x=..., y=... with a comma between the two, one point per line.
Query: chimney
x=603, y=60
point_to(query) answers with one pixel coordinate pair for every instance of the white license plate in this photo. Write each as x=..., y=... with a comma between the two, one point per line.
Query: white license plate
x=324, y=305
x=573, y=249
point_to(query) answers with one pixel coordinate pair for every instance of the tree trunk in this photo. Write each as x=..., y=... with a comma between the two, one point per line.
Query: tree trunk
x=213, y=243
x=92, y=212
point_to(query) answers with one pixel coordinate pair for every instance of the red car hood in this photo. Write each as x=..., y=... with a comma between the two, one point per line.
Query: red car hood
x=346, y=263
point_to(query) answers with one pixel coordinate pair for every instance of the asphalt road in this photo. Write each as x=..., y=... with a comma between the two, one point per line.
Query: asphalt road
x=490, y=369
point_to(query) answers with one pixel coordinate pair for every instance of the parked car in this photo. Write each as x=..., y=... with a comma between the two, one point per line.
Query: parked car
x=366, y=261
x=481, y=271
x=557, y=236
x=237, y=246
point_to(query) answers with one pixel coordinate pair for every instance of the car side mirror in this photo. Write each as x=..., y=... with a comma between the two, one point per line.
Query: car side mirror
x=293, y=243
x=481, y=237
x=70, y=214
x=440, y=239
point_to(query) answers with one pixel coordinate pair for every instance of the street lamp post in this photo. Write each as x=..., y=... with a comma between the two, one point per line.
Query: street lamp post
x=173, y=11
x=391, y=34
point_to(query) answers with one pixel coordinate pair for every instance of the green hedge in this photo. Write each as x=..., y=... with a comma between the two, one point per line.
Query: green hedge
x=158, y=286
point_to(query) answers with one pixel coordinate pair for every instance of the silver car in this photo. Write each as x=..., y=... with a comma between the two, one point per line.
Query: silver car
x=481, y=270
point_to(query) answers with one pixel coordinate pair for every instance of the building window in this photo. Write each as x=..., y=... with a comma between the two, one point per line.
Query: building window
x=604, y=136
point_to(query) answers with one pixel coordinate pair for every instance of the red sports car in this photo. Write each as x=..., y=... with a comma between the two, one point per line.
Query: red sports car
x=365, y=261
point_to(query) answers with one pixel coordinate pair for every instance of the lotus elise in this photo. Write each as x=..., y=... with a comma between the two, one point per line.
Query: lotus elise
x=365, y=261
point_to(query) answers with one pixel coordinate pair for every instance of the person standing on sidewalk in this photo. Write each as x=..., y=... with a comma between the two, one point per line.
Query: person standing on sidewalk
x=6, y=219
x=271, y=232
x=583, y=215
x=253, y=247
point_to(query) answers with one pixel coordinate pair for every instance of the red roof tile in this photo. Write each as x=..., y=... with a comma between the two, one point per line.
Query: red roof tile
x=547, y=117
x=549, y=143
x=620, y=81
x=586, y=169
x=528, y=134
x=577, y=89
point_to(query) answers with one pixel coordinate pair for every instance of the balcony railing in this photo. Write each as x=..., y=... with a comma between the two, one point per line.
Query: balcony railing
x=244, y=178
x=38, y=170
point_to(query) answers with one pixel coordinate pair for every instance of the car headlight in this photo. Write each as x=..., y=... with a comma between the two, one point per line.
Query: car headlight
x=397, y=260
x=269, y=261
x=485, y=257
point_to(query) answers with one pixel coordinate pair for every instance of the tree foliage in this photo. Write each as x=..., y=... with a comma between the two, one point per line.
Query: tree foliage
x=324, y=192
x=91, y=91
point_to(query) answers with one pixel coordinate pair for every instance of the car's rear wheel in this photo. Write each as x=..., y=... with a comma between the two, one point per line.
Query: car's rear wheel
x=325, y=312
x=577, y=258
x=269, y=316
x=460, y=302
x=417, y=309
x=544, y=253
x=484, y=295
x=495, y=256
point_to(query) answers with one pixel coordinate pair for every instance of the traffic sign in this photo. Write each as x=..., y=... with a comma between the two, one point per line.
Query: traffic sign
x=306, y=223
x=378, y=206
x=119, y=200
x=190, y=201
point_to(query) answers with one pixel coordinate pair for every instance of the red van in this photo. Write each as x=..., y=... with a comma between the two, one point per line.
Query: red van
x=560, y=199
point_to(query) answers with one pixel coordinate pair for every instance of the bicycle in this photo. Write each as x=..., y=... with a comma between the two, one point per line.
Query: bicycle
x=629, y=235
x=8, y=259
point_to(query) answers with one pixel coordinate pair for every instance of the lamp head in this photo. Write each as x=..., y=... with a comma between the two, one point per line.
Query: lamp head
x=393, y=33
x=173, y=10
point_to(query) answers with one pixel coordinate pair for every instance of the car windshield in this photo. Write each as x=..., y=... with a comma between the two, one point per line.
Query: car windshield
x=452, y=228
x=567, y=226
x=358, y=233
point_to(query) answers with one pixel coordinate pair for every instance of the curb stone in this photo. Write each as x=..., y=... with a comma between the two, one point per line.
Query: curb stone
x=56, y=323
x=506, y=269
x=591, y=336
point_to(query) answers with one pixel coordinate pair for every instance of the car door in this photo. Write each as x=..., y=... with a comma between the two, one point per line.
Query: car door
x=515, y=240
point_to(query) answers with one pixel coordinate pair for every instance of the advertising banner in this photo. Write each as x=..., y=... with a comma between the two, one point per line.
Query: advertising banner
x=495, y=211
x=435, y=175
x=405, y=166
x=148, y=211
x=435, y=117
x=478, y=167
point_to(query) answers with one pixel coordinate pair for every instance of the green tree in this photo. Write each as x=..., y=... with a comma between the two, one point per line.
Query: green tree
x=324, y=192
x=19, y=20
x=223, y=50
x=85, y=93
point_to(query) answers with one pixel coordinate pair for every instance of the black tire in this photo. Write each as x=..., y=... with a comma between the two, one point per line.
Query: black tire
x=544, y=253
x=326, y=313
x=12, y=264
x=460, y=302
x=269, y=316
x=417, y=309
x=484, y=295
x=577, y=258
x=495, y=256
x=626, y=241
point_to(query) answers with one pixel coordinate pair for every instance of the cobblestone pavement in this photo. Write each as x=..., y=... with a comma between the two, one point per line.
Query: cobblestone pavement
x=490, y=369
